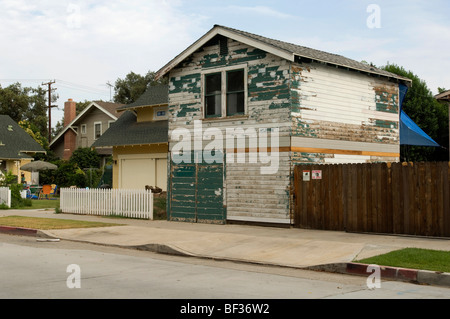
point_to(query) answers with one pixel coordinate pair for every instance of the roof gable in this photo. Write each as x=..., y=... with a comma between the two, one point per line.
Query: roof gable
x=445, y=96
x=288, y=51
x=14, y=141
x=106, y=107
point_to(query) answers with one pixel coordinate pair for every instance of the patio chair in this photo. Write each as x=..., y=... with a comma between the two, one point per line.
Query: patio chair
x=45, y=191
x=54, y=190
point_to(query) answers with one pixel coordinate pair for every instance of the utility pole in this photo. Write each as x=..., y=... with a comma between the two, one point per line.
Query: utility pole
x=50, y=109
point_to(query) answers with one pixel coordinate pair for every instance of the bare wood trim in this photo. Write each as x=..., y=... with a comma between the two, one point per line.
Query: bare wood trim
x=342, y=152
x=259, y=149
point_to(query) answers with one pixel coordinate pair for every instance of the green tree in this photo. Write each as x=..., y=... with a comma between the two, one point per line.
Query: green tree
x=33, y=131
x=85, y=157
x=130, y=88
x=428, y=114
x=25, y=104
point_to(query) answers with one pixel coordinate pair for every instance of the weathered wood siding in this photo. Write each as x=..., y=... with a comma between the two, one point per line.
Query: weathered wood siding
x=341, y=116
x=247, y=194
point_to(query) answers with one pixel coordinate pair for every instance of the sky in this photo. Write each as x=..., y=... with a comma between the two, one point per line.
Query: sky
x=85, y=45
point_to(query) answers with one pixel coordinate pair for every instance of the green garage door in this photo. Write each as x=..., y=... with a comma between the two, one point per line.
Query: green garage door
x=196, y=193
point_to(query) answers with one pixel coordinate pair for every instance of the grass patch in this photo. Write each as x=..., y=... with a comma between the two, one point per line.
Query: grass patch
x=49, y=223
x=41, y=204
x=413, y=258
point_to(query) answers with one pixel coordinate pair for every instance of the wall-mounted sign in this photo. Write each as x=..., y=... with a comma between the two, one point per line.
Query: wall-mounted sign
x=316, y=174
x=306, y=176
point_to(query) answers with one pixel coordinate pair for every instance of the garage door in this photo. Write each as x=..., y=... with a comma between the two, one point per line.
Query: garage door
x=136, y=173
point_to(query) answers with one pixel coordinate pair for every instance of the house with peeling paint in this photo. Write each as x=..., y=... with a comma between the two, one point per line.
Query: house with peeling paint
x=245, y=109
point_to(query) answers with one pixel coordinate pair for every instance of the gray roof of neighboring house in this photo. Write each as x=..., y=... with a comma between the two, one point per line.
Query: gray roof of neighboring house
x=127, y=131
x=285, y=49
x=154, y=95
x=14, y=141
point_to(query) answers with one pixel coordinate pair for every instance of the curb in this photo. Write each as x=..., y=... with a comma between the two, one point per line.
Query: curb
x=420, y=277
x=19, y=231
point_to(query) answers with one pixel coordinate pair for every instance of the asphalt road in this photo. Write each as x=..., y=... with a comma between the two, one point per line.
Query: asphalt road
x=66, y=270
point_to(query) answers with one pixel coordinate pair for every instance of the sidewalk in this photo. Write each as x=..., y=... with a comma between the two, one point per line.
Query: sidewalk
x=297, y=248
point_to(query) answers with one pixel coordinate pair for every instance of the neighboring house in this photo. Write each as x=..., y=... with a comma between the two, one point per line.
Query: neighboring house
x=84, y=129
x=444, y=96
x=313, y=107
x=139, y=142
x=17, y=148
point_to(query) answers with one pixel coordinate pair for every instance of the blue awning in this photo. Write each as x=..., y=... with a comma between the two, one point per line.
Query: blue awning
x=410, y=132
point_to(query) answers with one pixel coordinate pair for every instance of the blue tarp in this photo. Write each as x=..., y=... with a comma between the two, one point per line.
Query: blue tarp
x=410, y=132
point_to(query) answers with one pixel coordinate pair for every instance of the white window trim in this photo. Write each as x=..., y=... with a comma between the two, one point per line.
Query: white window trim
x=101, y=128
x=83, y=129
x=110, y=122
x=223, y=71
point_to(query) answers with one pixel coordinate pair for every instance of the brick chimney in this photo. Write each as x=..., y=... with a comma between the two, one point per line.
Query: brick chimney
x=70, y=138
x=70, y=111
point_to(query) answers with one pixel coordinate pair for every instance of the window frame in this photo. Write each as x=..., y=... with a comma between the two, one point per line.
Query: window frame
x=95, y=135
x=224, y=90
x=83, y=129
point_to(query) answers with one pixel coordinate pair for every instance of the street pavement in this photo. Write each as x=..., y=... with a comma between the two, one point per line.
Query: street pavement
x=285, y=247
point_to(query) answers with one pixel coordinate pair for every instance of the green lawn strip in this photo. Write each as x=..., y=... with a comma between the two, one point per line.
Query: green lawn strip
x=413, y=258
x=43, y=203
x=49, y=223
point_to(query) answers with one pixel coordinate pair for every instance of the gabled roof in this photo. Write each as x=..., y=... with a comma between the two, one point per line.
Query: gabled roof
x=108, y=108
x=127, y=131
x=288, y=51
x=154, y=95
x=444, y=96
x=15, y=143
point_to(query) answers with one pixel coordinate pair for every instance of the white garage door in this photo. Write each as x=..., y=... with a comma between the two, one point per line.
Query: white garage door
x=136, y=173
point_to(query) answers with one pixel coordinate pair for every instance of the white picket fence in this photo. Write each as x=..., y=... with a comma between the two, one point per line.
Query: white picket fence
x=105, y=202
x=5, y=196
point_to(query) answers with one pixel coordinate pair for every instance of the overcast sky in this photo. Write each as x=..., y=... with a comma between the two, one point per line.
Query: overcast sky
x=85, y=44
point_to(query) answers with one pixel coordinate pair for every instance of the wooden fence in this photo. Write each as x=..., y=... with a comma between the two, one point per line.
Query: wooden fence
x=5, y=196
x=398, y=198
x=106, y=202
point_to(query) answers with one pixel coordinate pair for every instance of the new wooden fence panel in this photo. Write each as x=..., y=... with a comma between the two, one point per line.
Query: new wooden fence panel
x=396, y=198
x=103, y=202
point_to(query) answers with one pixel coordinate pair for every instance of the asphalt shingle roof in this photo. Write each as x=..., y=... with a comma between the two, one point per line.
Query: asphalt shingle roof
x=314, y=54
x=127, y=131
x=14, y=141
x=154, y=95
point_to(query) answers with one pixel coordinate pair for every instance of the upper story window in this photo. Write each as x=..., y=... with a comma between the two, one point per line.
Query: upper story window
x=97, y=130
x=83, y=128
x=225, y=93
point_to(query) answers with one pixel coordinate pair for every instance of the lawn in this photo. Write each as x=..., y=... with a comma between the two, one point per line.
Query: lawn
x=49, y=223
x=413, y=258
x=42, y=204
